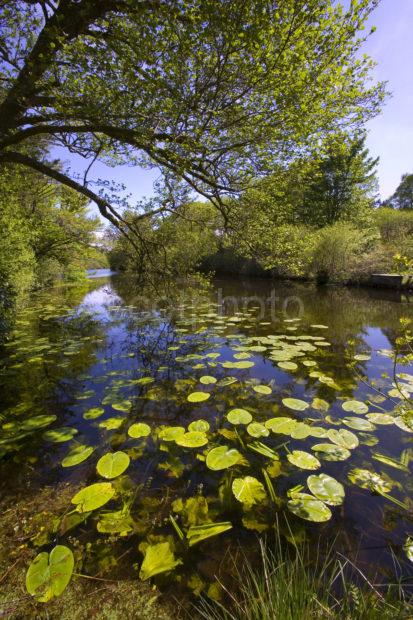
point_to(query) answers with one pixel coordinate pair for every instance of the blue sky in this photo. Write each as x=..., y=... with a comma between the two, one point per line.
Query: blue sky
x=390, y=136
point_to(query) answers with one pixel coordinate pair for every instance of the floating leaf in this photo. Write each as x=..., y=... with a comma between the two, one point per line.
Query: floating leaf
x=287, y=365
x=369, y=480
x=355, y=406
x=92, y=414
x=262, y=389
x=239, y=416
x=196, y=533
x=124, y=405
x=138, y=430
x=192, y=439
x=295, y=403
x=359, y=424
x=326, y=488
x=343, y=438
x=158, y=559
x=331, y=452
x=319, y=404
x=38, y=421
x=380, y=418
x=60, y=435
x=199, y=425
x=283, y=426
x=243, y=364
x=309, y=508
x=113, y=464
x=303, y=460
x=116, y=522
x=49, y=574
x=198, y=397
x=222, y=458
x=94, y=496
x=255, y=429
x=248, y=490
x=111, y=424
x=207, y=380
x=77, y=455
x=408, y=548
x=170, y=433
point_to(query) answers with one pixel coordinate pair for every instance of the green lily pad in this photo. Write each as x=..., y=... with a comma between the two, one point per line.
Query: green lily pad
x=124, y=405
x=343, y=438
x=94, y=496
x=222, y=458
x=287, y=365
x=369, y=480
x=92, y=414
x=303, y=460
x=60, y=435
x=77, y=456
x=248, y=490
x=49, y=574
x=201, y=426
x=281, y=425
x=207, y=380
x=192, y=439
x=359, y=424
x=198, y=397
x=170, y=433
x=138, y=430
x=112, y=464
x=355, y=406
x=239, y=416
x=255, y=429
x=111, y=424
x=326, y=489
x=319, y=404
x=38, y=421
x=307, y=507
x=241, y=365
x=295, y=403
x=115, y=522
x=331, y=452
x=380, y=418
x=262, y=389
x=158, y=559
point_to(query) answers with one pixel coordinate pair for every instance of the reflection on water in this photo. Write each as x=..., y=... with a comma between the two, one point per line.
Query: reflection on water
x=97, y=363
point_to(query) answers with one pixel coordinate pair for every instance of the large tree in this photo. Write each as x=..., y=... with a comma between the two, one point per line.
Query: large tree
x=403, y=196
x=213, y=92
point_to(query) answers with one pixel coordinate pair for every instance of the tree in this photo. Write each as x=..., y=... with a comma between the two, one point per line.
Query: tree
x=341, y=185
x=213, y=92
x=403, y=196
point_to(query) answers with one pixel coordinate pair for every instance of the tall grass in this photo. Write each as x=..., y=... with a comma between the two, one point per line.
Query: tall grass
x=302, y=584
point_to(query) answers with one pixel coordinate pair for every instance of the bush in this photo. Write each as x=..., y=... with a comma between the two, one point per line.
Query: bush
x=394, y=225
x=338, y=250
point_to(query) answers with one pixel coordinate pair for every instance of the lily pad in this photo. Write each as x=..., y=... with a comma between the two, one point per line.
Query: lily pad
x=262, y=389
x=111, y=424
x=60, y=435
x=49, y=574
x=380, y=418
x=281, y=425
x=222, y=458
x=295, y=403
x=239, y=416
x=192, y=439
x=303, y=460
x=248, y=490
x=255, y=429
x=199, y=425
x=158, y=559
x=198, y=397
x=38, y=421
x=92, y=414
x=359, y=424
x=207, y=380
x=307, y=507
x=113, y=464
x=327, y=489
x=343, y=438
x=369, y=480
x=77, y=456
x=138, y=430
x=170, y=433
x=331, y=452
x=355, y=406
x=94, y=496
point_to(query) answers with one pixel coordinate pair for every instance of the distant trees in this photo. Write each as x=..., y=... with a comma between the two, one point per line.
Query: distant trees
x=403, y=196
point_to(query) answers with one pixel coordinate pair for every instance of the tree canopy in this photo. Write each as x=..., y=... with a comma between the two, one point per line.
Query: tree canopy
x=212, y=92
x=403, y=196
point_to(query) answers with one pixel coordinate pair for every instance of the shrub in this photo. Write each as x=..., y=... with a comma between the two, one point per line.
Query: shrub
x=395, y=225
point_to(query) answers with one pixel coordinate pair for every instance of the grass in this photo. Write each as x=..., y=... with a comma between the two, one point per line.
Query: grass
x=292, y=584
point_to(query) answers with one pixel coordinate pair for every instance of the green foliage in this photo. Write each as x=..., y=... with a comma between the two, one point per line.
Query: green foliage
x=49, y=574
x=403, y=196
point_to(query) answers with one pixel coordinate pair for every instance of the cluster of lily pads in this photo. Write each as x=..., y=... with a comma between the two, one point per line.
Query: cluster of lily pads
x=238, y=434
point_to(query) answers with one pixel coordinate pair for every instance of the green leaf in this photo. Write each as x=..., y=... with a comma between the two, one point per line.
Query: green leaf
x=307, y=507
x=158, y=559
x=199, y=425
x=255, y=429
x=94, y=496
x=239, y=416
x=248, y=490
x=369, y=480
x=359, y=424
x=198, y=397
x=138, y=430
x=192, y=439
x=111, y=424
x=170, y=433
x=113, y=464
x=116, y=522
x=343, y=438
x=295, y=403
x=380, y=418
x=262, y=389
x=264, y=450
x=355, y=406
x=38, y=421
x=303, y=460
x=60, y=435
x=326, y=489
x=207, y=380
x=77, y=455
x=196, y=533
x=283, y=426
x=92, y=414
x=49, y=574
x=331, y=452
x=408, y=548
x=222, y=458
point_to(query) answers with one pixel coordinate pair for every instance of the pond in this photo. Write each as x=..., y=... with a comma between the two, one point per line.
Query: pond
x=207, y=416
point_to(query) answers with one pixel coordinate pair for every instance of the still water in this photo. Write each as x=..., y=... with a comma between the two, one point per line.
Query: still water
x=247, y=405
